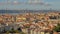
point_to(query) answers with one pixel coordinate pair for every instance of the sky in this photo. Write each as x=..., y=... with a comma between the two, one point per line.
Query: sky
x=30, y=4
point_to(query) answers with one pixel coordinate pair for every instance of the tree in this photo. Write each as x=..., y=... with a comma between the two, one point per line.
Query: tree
x=22, y=33
x=19, y=29
x=57, y=28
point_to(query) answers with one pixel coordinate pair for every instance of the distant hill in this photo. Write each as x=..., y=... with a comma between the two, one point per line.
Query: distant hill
x=26, y=11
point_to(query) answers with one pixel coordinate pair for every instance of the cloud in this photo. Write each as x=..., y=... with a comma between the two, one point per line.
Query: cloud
x=9, y=3
x=38, y=2
x=15, y=2
x=34, y=1
x=2, y=3
x=47, y=4
x=31, y=2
